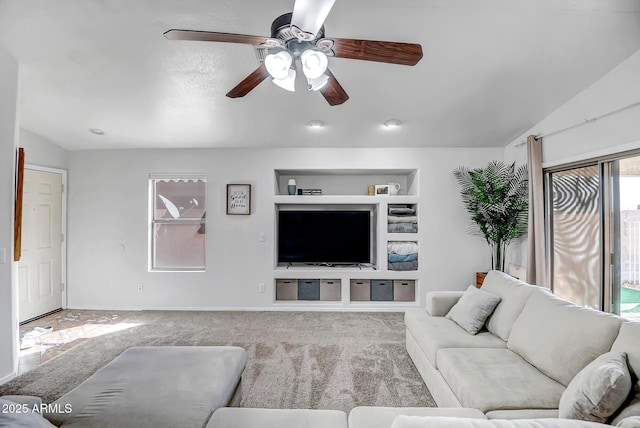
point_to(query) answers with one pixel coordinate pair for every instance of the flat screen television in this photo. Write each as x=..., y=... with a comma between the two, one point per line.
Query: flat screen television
x=324, y=237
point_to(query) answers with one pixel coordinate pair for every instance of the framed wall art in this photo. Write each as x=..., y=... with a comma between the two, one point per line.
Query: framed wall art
x=382, y=189
x=238, y=199
x=17, y=225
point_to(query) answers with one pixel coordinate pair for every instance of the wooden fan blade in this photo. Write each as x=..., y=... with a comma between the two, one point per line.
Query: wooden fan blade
x=249, y=83
x=372, y=50
x=333, y=92
x=210, y=36
x=309, y=15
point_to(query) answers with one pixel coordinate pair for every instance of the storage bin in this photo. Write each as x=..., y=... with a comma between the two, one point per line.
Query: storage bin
x=286, y=289
x=360, y=290
x=404, y=291
x=308, y=289
x=330, y=289
x=382, y=290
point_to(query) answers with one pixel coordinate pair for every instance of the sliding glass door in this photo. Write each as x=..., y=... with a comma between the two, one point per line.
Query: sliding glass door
x=593, y=222
x=575, y=231
x=625, y=239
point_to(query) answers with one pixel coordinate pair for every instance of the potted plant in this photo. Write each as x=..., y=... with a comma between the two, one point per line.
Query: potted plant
x=497, y=198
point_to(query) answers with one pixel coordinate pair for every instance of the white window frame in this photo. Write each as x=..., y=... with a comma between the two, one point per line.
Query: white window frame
x=153, y=179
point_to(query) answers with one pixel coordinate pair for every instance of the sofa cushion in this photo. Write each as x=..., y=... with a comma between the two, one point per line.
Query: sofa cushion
x=629, y=422
x=560, y=338
x=443, y=421
x=598, y=389
x=433, y=333
x=523, y=414
x=514, y=294
x=496, y=379
x=382, y=417
x=473, y=309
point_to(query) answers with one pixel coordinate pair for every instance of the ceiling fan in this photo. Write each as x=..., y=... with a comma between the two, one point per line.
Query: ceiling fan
x=298, y=37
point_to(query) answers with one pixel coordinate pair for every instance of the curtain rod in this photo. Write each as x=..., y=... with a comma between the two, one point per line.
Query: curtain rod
x=586, y=121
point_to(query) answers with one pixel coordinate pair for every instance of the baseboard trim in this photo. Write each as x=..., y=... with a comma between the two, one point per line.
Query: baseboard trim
x=40, y=316
x=289, y=308
x=8, y=377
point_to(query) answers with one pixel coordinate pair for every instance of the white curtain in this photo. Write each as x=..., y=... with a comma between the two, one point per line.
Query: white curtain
x=536, y=265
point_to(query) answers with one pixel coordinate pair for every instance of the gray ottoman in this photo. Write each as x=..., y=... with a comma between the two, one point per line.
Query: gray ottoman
x=277, y=418
x=155, y=386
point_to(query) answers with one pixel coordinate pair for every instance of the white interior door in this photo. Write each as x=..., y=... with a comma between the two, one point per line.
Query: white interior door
x=40, y=266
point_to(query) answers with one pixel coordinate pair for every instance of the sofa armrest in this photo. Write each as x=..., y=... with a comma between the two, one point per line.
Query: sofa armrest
x=440, y=302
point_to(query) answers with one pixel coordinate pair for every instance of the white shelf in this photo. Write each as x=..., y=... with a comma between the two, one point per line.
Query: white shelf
x=346, y=189
x=343, y=199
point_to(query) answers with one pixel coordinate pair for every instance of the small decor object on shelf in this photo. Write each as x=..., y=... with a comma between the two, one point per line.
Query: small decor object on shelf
x=382, y=189
x=314, y=192
x=238, y=199
x=394, y=188
x=291, y=186
x=371, y=190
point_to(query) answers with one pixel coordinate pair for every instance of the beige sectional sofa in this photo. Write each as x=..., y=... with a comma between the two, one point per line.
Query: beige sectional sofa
x=520, y=365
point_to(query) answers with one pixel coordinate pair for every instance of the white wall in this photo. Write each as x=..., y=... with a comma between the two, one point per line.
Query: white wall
x=108, y=223
x=8, y=288
x=42, y=152
x=612, y=134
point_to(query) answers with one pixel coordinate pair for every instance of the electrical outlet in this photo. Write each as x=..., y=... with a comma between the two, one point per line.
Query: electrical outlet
x=262, y=237
x=140, y=287
x=261, y=287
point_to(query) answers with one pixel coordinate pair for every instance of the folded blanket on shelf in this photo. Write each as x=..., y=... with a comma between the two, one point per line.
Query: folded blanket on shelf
x=401, y=210
x=402, y=228
x=413, y=265
x=399, y=247
x=402, y=219
x=395, y=258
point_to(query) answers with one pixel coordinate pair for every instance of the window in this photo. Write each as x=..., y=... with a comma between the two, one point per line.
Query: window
x=178, y=211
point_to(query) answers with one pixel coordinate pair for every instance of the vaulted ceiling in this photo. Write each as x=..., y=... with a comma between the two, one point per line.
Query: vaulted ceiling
x=491, y=70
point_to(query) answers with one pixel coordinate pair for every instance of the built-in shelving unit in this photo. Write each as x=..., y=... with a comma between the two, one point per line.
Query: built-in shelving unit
x=358, y=286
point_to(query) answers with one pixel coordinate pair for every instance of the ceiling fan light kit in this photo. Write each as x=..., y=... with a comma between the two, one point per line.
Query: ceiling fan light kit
x=300, y=36
x=278, y=64
x=288, y=82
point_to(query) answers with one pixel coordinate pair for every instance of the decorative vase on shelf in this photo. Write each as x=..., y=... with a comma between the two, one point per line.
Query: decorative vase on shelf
x=291, y=186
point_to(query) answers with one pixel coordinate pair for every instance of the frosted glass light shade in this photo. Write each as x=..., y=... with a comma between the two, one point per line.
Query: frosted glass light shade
x=288, y=82
x=278, y=64
x=314, y=63
x=318, y=82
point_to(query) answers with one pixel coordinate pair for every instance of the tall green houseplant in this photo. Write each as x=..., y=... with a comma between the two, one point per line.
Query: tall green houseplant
x=497, y=198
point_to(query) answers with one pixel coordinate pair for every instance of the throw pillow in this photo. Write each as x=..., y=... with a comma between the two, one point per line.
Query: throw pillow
x=597, y=391
x=473, y=309
x=18, y=415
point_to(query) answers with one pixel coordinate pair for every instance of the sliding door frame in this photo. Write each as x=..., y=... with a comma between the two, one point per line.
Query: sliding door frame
x=609, y=208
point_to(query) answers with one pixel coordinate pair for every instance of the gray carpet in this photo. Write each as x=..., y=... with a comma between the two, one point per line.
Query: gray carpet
x=311, y=360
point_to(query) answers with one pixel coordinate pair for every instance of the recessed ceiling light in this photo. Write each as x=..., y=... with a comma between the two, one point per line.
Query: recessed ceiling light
x=96, y=131
x=392, y=123
x=316, y=124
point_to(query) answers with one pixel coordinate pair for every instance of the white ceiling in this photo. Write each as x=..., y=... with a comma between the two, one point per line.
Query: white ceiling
x=491, y=70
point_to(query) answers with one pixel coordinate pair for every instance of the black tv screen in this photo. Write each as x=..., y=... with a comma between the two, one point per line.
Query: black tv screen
x=332, y=237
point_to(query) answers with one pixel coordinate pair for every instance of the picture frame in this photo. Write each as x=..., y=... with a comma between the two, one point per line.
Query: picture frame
x=238, y=199
x=17, y=224
x=382, y=190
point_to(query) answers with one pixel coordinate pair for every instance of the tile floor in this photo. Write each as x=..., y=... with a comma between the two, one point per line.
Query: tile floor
x=70, y=328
